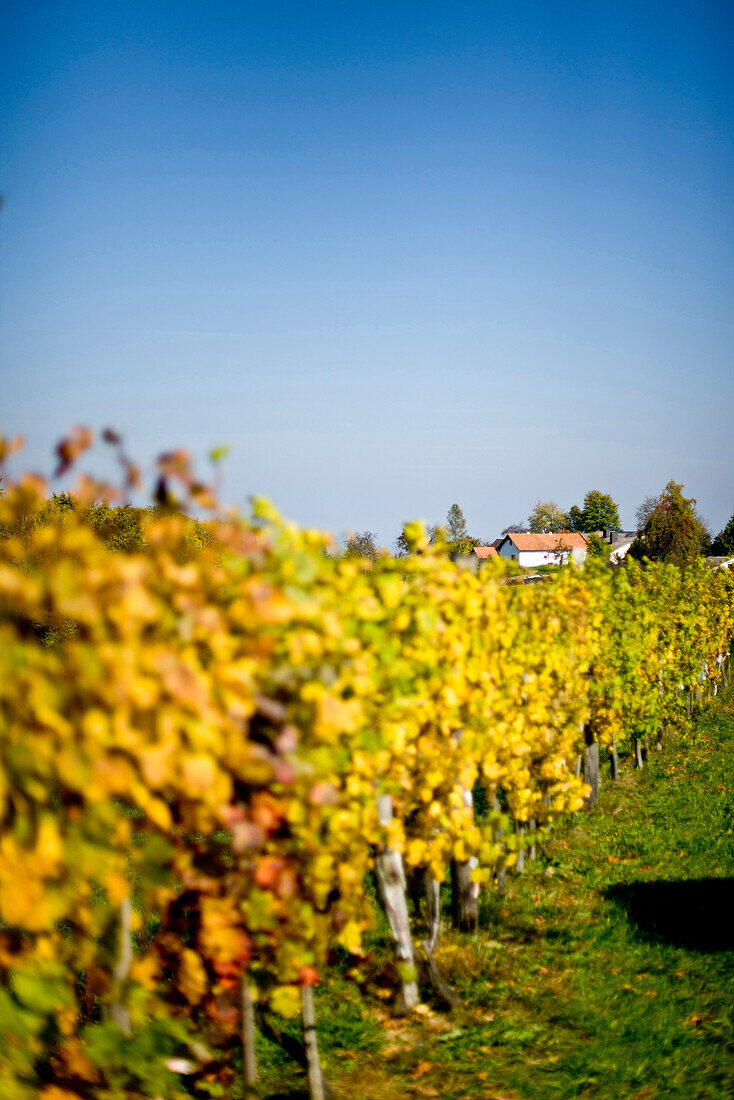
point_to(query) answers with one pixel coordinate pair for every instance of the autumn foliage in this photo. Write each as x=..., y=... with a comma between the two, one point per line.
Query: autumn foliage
x=195, y=732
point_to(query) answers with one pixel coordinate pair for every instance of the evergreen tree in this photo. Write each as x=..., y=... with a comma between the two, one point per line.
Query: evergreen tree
x=575, y=519
x=724, y=544
x=456, y=524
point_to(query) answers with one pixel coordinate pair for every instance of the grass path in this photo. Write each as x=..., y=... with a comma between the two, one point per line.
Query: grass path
x=608, y=972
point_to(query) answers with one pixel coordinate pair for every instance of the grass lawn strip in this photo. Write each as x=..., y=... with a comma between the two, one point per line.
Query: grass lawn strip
x=607, y=973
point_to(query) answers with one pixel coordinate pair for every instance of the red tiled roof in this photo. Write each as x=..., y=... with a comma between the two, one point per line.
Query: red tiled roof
x=485, y=551
x=572, y=540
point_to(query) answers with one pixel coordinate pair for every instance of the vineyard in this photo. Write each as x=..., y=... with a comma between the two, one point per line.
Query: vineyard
x=217, y=735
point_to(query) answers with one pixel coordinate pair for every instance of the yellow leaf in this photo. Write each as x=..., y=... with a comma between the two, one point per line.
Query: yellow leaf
x=159, y=814
x=351, y=938
x=286, y=1001
x=199, y=772
x=145, y=971
x=192, y=976
x=118, y=888
x=49, y=849
x=415, y=851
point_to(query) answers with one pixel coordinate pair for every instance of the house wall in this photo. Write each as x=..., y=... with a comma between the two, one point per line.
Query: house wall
x=531, y=559
x=620, y=551
x=528, y=559
x=507, y=551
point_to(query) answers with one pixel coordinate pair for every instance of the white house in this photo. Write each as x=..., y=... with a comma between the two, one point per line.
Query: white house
x=620, y=545
x=530, y=550
x=721, y=562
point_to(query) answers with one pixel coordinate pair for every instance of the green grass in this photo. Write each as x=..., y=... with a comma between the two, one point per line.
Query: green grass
x=606, y=972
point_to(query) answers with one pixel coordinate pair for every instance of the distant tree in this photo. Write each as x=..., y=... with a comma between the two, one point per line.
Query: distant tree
x=644, y=512
x=456, y=524
x=575, y=519
x=403, y=543
x=457, y=547
x=673, y=532
x=402, y=549
x=727, y=537
x=724, y=541
x=546, y=516
x=362, y=544
x=120, y=528
x=515, y=528
x=596, y=547
x=599, y=512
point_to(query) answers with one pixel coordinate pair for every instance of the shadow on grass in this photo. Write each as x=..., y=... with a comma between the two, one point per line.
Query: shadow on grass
x=696, y=914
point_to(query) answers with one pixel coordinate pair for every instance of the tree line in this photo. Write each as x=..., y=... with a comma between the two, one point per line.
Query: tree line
x=669, y=528
x=453, y=535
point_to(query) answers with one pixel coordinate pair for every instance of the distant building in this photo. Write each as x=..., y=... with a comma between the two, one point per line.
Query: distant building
x=618, y=542
x=484, y=552
x=720, y=562
x=530, y=550
x=473, y=560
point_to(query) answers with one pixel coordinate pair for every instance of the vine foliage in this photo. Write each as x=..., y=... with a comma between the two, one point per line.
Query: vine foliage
x=197, y=722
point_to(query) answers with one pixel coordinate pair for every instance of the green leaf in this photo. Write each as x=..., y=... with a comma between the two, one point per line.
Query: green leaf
x=216, y=454
x=42, y=991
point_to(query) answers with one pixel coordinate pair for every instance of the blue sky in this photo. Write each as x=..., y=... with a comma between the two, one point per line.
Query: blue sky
x=396, y=255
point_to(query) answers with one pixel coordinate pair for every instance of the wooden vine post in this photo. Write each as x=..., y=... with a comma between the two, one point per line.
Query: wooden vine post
x=464, y=901
x=501, y=878
x=391, y=883
x=249, y=1060
x=591, y=767
x=519, y=865
x=118, y=1013
x=310, y=1041
x=614, y=761
x=433, y=908
x=464, y=891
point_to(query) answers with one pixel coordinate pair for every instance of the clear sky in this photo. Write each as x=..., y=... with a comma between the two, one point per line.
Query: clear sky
x=395, y=254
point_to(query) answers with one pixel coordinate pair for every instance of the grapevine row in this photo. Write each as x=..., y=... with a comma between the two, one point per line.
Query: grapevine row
x=208, y=742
